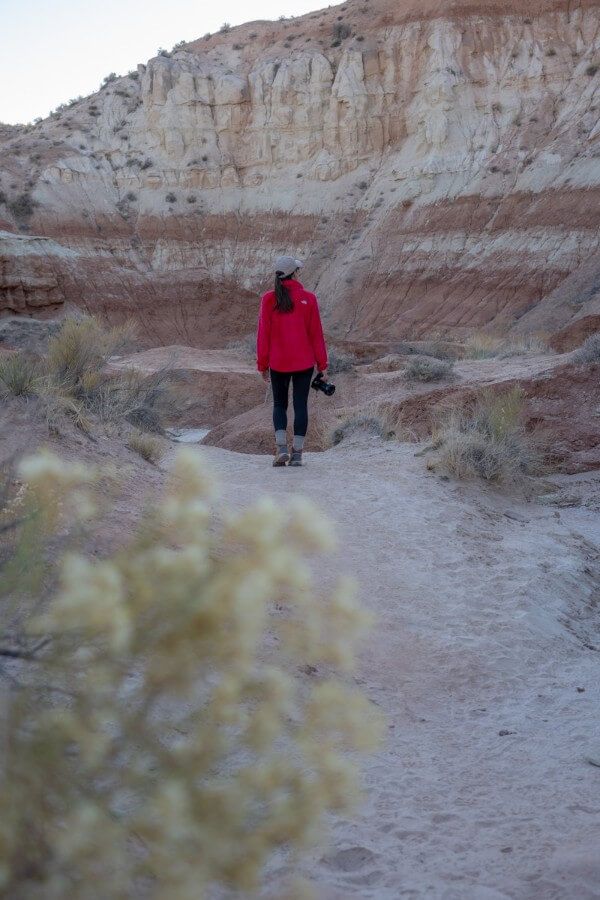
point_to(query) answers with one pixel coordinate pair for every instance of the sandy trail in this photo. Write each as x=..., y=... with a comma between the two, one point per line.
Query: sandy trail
x=485, y=604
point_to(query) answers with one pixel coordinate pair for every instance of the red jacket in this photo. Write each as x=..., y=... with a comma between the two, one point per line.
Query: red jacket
x=290, y=342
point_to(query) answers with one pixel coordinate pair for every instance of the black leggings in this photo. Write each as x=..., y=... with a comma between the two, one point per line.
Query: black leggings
x=280, y=382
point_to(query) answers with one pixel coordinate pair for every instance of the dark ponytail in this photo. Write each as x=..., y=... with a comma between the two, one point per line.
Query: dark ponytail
x=283, y=299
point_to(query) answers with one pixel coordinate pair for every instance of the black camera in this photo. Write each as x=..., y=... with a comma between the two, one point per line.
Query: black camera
x=319, y=384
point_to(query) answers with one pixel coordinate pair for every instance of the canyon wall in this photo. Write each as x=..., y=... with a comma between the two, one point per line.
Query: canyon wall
x=437, y=165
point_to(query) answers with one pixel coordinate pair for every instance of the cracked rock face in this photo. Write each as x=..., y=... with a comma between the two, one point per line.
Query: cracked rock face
x=437, y=165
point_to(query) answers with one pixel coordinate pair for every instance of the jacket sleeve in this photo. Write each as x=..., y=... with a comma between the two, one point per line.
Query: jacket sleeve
x=263, y=337
x=317, y=339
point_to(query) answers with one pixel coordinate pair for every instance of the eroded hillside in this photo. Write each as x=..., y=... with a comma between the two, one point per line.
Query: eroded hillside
x=438, y=164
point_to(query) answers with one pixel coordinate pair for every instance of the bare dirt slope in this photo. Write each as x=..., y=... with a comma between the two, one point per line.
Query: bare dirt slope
x=484, y=659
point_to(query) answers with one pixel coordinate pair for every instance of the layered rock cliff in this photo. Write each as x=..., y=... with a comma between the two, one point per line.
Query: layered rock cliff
x=436, y=163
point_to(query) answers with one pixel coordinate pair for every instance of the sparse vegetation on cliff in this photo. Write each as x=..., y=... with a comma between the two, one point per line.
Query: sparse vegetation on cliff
x=22, y=207
x=340, y=32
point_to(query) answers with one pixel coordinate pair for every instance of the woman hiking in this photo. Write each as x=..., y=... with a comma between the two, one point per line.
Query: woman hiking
x=289, y=344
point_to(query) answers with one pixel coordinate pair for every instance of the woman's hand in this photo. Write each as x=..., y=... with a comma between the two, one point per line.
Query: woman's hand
x=323, y=374
x=265, y=376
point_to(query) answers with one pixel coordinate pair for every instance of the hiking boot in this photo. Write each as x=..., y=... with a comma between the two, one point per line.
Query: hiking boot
x=296, y=459
x=282, y=458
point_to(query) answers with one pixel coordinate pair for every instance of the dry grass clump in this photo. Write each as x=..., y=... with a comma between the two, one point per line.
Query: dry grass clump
x=81, y=348
x=72, y=379
x=148, y=446
x=143, y=401
x=487, y=346
x=487, y=441
x=19, y=375
x=161, y=741
x=371, y=421
x=427, y=368
x=57, y=407
x=589, y=352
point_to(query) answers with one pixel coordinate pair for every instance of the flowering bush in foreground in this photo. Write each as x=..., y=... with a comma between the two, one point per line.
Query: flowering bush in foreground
x=172, y=746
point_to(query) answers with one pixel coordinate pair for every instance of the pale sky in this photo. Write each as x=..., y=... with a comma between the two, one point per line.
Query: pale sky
x=53, y=50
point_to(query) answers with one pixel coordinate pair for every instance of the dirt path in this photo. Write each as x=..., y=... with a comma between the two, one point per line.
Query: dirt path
x=485, y=605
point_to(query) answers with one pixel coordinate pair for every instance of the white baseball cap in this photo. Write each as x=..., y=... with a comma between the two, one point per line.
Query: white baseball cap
x=287, y=265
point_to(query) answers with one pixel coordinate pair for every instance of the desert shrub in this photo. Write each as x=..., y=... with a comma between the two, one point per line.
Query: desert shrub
x=148, y=446
x=58, y=407
x=147, y=164
x=161, y=739
x=134, y=75
x=341, y=31
x=488, y=440
x=370, y=420
x=518, y=345
x=339, y=361
x=130, y=197
x=3, y=198
x=19, y=375
x=592, y=70
x=225, y=27
x=22, y=207
x=589, y=352
x=108, y=79
x=142, y=400
x=481, y=346
x=171, y=198
x=81, y=349
x=427, y=368
x=72, y=380
x=192, y=199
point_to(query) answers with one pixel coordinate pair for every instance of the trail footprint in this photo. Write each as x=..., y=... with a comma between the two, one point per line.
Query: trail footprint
x=350, y=860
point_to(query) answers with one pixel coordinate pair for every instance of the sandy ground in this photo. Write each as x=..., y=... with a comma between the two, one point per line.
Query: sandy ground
x=485, y=661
